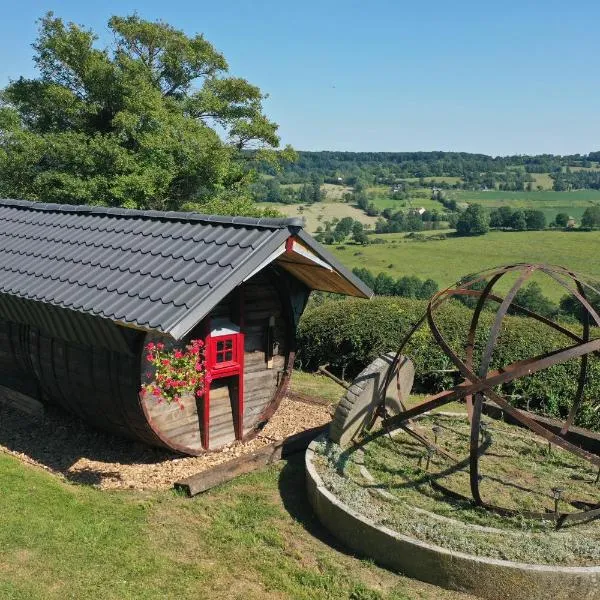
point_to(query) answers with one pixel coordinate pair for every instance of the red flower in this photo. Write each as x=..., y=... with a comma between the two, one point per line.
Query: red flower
x=176, y=373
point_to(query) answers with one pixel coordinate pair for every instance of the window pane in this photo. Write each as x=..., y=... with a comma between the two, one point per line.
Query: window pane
x=220, y=357
x=228, y=344
x=228, y=355
x=220, y=346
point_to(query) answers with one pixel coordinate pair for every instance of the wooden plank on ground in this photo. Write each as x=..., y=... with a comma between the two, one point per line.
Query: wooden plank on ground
x=201, y=482
x=21, y=402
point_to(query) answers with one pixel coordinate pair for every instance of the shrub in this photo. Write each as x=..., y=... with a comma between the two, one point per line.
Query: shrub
x=352, y=333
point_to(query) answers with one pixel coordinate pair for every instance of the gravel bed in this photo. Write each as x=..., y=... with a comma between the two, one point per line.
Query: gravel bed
x=63, y=444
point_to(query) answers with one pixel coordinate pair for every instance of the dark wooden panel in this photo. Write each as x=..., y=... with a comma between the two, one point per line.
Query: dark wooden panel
x=22, y=402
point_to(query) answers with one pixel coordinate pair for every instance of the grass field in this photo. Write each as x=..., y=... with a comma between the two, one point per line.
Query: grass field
x=317, y=214
x=334, y=192
x=544, y=180
x=253, y=538
x=573, y=203
x=441, y=179
x=418, y=198
x=445, y=261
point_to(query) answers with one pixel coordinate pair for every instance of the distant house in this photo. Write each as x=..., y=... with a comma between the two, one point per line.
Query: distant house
x=571, y=222
x=418, y=211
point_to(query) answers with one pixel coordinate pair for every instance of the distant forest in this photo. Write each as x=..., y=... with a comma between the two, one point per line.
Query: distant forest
x=475, y=171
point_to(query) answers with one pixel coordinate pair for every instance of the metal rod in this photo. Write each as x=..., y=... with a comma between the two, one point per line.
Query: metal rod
x=339, y=381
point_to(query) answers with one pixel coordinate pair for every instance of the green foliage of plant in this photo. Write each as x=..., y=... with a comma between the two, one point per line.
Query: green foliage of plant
x=531, y=297
x=135, y=124
x=350, y=334
x=175, y=372
x=561, y=219
x=591, y=217
x=406, y=287
x=473, y=221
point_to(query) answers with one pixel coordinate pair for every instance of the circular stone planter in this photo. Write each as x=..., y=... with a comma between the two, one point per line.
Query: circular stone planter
x=486, y=577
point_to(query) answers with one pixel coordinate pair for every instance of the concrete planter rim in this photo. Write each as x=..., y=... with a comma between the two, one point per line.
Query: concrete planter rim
x=509, y=564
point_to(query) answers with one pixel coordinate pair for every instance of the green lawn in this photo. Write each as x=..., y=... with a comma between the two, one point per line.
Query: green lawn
x=314, y=384
x=543, y=179
x=446, y=261
x=254, y=537
x=551, y=203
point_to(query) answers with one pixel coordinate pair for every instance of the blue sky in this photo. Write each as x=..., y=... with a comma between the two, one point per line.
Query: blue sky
x=494, y=77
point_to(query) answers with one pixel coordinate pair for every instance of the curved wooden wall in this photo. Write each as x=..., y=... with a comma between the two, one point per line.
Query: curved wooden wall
x=180, y=429
x=99, y=383
x=47, y=353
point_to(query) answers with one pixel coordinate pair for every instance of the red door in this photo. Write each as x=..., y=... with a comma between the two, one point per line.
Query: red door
x=224, y=358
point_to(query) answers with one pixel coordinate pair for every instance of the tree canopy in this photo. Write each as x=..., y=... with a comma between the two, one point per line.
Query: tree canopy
x=591, y=217
x=153, y=121
x=473, y=221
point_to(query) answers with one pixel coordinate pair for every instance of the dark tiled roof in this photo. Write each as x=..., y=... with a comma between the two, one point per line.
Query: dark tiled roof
x=149, y=269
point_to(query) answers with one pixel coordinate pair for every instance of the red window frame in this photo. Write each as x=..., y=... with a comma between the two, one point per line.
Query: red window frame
x=224, y=354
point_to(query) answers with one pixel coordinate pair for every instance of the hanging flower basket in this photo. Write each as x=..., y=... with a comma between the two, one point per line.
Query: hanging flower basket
x=175, y=372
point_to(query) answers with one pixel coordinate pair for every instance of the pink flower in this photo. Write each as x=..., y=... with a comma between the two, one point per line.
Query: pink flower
x=166, y=362
x=178, y=354
x=149, y=357
x=160, y=345
x=150, y=346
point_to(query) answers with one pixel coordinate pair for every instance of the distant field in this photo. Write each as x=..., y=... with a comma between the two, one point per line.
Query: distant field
x=427, y=203
x=317, y=214
x=550, y=203
x=418, y=198
x=575, y=169
x=450, y=180
x=334, y=192
x=544, y=180
x=446, y=261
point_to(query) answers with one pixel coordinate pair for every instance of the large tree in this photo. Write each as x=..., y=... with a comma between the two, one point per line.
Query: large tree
x=591, y=217
x=152, y=121
x=473, y=221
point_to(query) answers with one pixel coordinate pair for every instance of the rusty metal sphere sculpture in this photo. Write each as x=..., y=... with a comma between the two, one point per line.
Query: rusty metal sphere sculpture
x=479, y=382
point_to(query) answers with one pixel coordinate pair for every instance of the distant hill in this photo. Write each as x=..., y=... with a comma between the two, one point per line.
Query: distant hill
x=473, y=170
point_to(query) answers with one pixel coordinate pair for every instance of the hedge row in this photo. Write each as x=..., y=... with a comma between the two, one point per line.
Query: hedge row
x=348, y=334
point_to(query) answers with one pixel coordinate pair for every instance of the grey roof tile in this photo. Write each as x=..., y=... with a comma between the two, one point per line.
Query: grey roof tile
x=142, y=268
x=150, y=269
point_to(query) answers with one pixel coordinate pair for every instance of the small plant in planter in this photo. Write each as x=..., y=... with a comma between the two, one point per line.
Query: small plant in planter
x=175, y=372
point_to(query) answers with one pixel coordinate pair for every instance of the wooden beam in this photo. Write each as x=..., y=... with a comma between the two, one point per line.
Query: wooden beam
x=21, y=402
x=205, y=480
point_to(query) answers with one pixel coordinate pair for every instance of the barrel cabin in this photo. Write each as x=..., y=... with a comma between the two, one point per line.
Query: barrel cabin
x=84, y=290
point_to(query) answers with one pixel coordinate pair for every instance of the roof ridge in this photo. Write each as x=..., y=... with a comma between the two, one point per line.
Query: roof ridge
x=189, y=217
